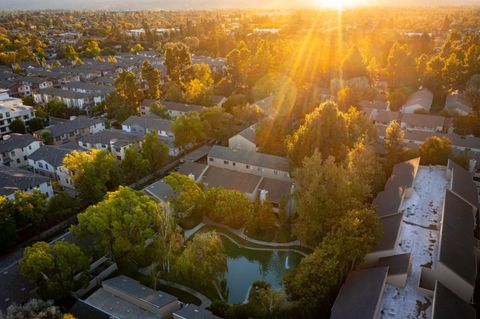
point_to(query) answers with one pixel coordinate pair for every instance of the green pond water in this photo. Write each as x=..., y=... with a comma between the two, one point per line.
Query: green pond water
x=246, y=266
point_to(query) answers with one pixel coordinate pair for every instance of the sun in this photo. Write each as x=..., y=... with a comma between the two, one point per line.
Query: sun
x=336, y=4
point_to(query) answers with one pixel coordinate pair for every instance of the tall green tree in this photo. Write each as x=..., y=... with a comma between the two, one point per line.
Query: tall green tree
x=121, y=224
x=228, y=207
x=8, y=227
x=354, y=64
x=153, y=78
x=154, y=150
x=124, y=101
x=52, y=268
x=134, y=166
x=188, y=130
x=188, y=196
x=435, y=151
x=178, y=61
x=17, y=126
x=394, y=136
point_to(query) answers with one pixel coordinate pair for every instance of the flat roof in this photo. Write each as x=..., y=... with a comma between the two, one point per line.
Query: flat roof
x=447, y=305
x=360, y=295
x=456, y=239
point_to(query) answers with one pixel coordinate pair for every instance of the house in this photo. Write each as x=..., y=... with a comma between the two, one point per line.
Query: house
x=161, y=191
x=148, y=123
x=420, y=100
x=124, y=297
x=16, y=179
x=458, y=103
x=193, y=170
x=398, y=268
x=360, y=295
x=255, y=163
x=191, y=311
x=112, y=140
x=422, y=122
x=391, y=226
x=15, y=149
x=70, y=131
x=36, y=83
x=447, y=305
x=12, y=108
x=174, y=109
x=72, y=99
x=276, y=191
x=383, y=117
x=244, y=141
x=379, y=105
x=48, y=161
x=462, y=185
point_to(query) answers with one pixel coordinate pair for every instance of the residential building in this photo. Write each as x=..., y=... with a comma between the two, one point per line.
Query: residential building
x=191, y=311
x=70, y=131
x=422, y=122
x=36, y=83
x=383, y=117
x=148, y=123
x=15, y=148
x=174, y=109
x=447, y=305
x=48, y=161
x=12, y=108
x=457, y=102
x=72, y=99
x=16, y=179
x=420, y=100
x=112, y=140
x=244, y=141
x=260, y=164
x=124, y=297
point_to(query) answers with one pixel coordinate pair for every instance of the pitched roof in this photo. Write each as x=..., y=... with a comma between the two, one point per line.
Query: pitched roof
x=112, y=135
x=462, y=184
x=397, y=264
x=192, y=311
x=160, y=190
x=403, y=174
x=194, y=168
x=250, y=158
x=447, y=305
x=84, y=310
x=249, y=134
x=360, y=295
x=456, y=237
x=14, y=179
x=228, y=179
x=391, y=228
x=151, y=122
x=423, y=120
x=384, y=116
x=422, y=97
x=61, y=128
x=174, y=106
x=388, y=202
x=16, y=141
x=277, y=189
x=458, y=101
x=52, y=154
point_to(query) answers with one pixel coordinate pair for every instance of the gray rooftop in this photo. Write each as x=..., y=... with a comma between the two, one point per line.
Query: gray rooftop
x=80, y=122
x=191, y=311
x=14, y=179
x=360, y=295
x=403, y=174
x=160, y=190
x=151, y=122
x=397, y=264
x=224, y=178
x=196, y=169
x=112, y=135
x=174, y=106
x=135, y=289
x=458, y=101
x=447, y=305
x=277, y=189
x=423, y=97
x=16, y=141
x=391, y=227
x=388, y=201
x=198, y=154
x=52, y=154
x=249, y=133
x=463, y=185
x=250, y=158
x=384, y=116
x=456, y=238
x=423, y=120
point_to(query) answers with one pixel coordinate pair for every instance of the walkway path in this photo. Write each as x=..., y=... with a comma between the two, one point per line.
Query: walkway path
x=241, y=233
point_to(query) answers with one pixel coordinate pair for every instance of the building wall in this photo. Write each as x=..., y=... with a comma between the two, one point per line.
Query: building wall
x=454, y=282
x=249, y=169
x=44, y=188
x=18, y=157
x=240, y=143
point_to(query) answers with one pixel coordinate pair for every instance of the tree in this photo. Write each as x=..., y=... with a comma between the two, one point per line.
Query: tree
x=196, y=92
x=398, y=97
x=177, y=61
x=153, y=78
x=401, y=66
x=61, y=205
x=17, y=126
x=394, y=136
x=125, y=100
x=435, y=151
x=452, y=70
x=266, y=301
x=238, y=65
x=188, y=130
x=28, y=209
x=325, y=129
x=136, y=48
x=203, y=261
x=8, y=227
x=93, y=173
x=466, y=125
x=34, y=309
x=47, y=137
x=71, y=55
x=121, y=224
x=53, y=268
x=35, y=124
x=159, y=110
x=228, y=207
x=188, y=196
x=217, y=123
x=320, y=273
x=91, y=48
x=134, y=166
x=154, y=150
x=354, y=65
x=472, y=92
x=324, y=194
x=262, y=220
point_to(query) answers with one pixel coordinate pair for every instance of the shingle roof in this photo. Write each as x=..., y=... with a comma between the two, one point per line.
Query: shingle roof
x=110, y=135
x=151, y=122
x=388, y=201
x=191, y=311
x=13, y=179
x=462, y=184
x=83, y=310
x=251, y=158
x=277, y=189
x=383, y=116
x=16, y=141
x=456, y=238
x=391, y=227
x=423, y=97
x=403, y=174
x=458, y=101
x=447, y=305
x=67, y=127
x=360, y=295
x=160, y=190
x=397, y=264
x=423, y=120
x=194, y=168
x=224, y=178
x=249, y=133
x=51, y=154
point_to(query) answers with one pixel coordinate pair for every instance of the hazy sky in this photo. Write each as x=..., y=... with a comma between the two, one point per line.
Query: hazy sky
x=196, y=4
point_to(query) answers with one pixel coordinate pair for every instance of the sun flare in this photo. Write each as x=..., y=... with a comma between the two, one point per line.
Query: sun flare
x=336, y=4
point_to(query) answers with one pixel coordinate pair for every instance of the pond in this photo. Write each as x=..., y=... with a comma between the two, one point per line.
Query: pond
x=246, y=266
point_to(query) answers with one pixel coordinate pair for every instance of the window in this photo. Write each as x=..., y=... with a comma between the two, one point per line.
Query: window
x=25, y=157
x=234, y=164
x=247, y=166
x=225, y=162
x=40, y=165
x=12, y=153
x=210, y=159
x=46, y=166
x=18, y=161
x=275, y=172
x=29, y=147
